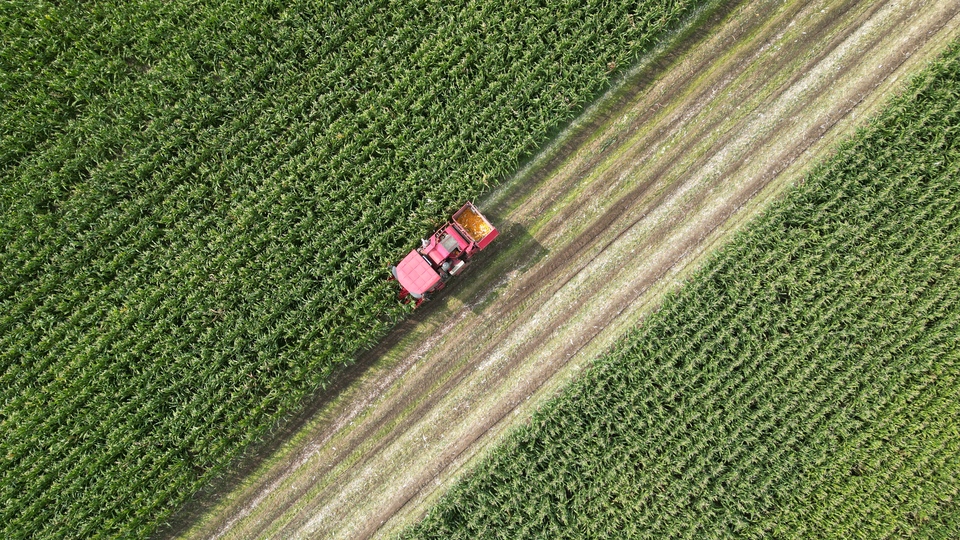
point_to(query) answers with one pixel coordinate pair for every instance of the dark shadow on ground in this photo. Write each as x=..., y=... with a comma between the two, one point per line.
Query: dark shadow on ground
x=515, y=249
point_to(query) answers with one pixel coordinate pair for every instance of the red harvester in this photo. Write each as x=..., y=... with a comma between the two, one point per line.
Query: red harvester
x=427, y=268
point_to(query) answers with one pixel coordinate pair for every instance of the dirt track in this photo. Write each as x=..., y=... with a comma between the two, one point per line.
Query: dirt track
x=595, y=230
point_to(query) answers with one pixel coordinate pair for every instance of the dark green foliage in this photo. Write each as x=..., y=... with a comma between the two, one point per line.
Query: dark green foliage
x=199, y=201
x=806, y=383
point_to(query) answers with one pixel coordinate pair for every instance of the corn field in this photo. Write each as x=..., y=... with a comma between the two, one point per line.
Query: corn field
x=804, y=383
x=200, y=200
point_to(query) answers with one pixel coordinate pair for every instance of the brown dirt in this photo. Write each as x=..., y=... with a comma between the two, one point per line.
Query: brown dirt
x=619, y=210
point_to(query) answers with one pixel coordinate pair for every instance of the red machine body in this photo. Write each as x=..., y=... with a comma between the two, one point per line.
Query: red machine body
x=445, y=254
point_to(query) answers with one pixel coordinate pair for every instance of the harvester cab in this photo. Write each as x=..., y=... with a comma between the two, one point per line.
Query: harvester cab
x=444, y=254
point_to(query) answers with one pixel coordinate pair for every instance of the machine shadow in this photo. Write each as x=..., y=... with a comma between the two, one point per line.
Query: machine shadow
x=514, y=251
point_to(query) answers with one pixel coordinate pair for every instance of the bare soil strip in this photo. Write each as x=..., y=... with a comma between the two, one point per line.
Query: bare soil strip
x=619, y=211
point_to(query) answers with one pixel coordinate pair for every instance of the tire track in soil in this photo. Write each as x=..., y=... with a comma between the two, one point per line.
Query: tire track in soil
x=381, y=455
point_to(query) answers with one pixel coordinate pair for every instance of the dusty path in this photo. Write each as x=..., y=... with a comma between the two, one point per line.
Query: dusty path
x=595, y=231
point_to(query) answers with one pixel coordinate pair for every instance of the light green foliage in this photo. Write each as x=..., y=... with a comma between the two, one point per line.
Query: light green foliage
x=805, y=383
x=199, y=202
